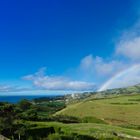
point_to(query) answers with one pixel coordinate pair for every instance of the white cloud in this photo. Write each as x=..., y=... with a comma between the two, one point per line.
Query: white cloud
x=11, y=88
x=100, y=68
x=5, y=88
x=128, y=45
x=87, y=62
x=108, y=68
x=129, y=48
x=42, y=81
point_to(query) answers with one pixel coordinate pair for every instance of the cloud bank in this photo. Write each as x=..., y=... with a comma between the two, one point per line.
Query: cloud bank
x=46, y=82
x=5, y=88
x=99, y=66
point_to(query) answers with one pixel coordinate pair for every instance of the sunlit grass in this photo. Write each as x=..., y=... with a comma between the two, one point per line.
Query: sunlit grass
x=121, y=110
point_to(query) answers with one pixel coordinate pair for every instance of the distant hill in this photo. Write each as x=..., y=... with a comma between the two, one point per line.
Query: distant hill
x=77, y=97
x=128, y=90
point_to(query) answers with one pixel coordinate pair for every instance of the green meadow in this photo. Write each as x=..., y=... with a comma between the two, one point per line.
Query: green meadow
x=119, y=110
x=93, y=130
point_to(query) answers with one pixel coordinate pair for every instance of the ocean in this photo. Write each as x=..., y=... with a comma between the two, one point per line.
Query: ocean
x=15, y=99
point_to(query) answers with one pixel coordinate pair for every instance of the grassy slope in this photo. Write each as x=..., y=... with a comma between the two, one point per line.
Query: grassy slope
x=122, y=110
x=91, y=129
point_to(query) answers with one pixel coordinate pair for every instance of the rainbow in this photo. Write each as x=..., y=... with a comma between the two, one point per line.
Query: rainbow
x=131, y=70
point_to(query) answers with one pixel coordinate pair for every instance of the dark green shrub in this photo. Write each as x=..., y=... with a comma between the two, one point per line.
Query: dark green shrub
x=55, y=136
x=39, y=132
x=24, y=104
x=92, y=120
x=66, y=119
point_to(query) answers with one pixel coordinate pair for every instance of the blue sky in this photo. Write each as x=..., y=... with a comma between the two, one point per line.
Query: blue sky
x=52, y=46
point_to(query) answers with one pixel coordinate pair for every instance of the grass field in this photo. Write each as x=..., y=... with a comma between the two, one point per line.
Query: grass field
x=91, y=129
x=121, y=110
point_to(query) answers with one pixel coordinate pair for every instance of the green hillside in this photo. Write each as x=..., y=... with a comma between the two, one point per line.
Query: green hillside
x=118, y=110
x=91, y=131
x=78, y=97
x=119, y=91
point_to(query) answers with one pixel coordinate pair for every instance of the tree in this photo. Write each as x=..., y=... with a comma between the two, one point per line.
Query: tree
x=24, y=104
x=20, y=130
x=7, y=117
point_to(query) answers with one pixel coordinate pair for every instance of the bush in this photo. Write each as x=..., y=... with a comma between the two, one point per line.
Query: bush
x=24, y=104
x=66, y=119
x=39, y=132
x=55, y=136
x=92, y=120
